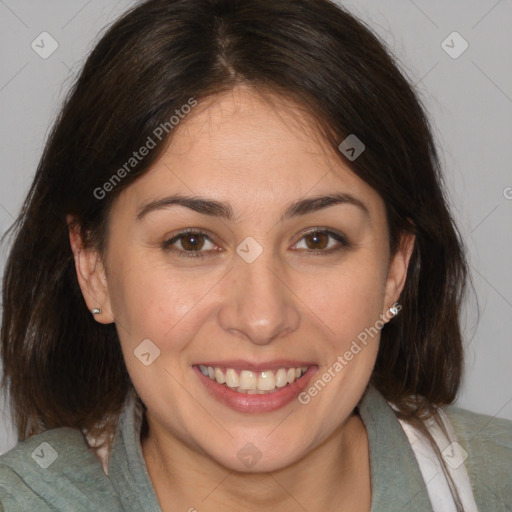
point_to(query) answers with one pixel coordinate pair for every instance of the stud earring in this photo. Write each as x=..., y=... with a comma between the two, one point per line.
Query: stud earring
x=96, y=311
x=393, y=310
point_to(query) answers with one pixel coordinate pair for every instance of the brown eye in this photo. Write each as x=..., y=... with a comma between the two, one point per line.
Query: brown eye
x=190, y=244
x=322, y=241
x=317, y=240
x=192, y=241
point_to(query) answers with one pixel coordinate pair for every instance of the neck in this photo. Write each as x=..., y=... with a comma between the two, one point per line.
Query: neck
x=336, y=471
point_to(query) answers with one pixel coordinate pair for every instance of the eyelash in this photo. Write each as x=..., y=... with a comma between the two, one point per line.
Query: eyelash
x=167, y=245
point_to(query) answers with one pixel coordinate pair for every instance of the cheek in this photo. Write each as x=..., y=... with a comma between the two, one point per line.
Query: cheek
x=349, y=305
x=349, y=298
x=152, y=303
x=157, y=302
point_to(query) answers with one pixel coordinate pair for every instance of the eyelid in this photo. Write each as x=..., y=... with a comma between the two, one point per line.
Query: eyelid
x=189, y=231
x=169, y=242
x=336, y=235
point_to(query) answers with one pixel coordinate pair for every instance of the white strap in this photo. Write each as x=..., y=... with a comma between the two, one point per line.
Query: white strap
x=431, y=469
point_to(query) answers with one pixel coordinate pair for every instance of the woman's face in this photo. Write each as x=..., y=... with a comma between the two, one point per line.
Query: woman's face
x=272, y=278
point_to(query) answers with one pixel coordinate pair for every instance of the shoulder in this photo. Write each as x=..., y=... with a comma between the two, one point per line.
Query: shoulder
x=481, y=430
x=487, y=444
x=55, y=470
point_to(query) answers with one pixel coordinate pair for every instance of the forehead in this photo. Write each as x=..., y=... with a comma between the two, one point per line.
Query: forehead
x=242, y=148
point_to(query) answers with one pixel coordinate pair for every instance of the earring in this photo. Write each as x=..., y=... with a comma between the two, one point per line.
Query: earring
x=96, y=311
x=393, y=310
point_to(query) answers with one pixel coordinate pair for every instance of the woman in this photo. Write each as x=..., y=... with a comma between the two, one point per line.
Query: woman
x=235, y=282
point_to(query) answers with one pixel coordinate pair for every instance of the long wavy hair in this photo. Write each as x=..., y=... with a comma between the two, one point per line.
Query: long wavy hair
x=61, y=367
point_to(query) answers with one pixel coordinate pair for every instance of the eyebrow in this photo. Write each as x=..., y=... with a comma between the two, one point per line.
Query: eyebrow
x=224, y=210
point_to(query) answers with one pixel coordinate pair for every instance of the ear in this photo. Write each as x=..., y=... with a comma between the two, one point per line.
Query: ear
x=397, y=271
x=91, y=275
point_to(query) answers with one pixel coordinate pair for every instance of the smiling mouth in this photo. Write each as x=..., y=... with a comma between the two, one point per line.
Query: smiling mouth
x=254, y=383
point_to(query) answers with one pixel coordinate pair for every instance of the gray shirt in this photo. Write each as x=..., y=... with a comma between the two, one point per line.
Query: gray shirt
x=57, y=471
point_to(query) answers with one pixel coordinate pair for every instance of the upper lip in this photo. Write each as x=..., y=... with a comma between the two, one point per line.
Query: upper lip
x=241, y=364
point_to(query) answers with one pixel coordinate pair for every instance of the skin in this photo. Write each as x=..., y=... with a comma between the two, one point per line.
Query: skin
x=289, y=303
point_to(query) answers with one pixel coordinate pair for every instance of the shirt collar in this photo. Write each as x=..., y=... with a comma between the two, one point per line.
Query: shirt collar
x=396, y=480
x=397, y=483
x=127, y=467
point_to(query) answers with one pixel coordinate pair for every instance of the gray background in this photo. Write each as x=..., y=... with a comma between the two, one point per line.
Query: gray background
x=470, y=104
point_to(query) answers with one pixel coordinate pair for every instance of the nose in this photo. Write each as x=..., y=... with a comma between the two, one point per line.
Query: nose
x=257, y=302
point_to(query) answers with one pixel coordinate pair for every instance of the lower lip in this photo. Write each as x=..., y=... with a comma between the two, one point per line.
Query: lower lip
x=256, y=403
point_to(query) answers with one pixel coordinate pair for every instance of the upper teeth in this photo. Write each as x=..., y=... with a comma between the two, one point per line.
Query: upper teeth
x=247, y=381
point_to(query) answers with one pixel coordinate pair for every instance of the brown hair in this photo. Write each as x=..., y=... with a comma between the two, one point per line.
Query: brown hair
x=61, y=367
